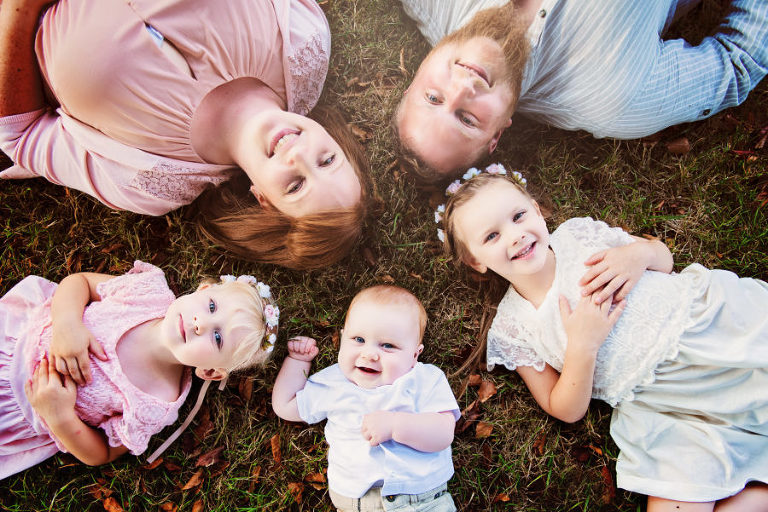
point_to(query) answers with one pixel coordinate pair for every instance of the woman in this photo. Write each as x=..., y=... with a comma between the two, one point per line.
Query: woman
x=160, y=100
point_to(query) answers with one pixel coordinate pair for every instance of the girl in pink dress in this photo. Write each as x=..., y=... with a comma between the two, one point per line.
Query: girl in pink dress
x=96, y=365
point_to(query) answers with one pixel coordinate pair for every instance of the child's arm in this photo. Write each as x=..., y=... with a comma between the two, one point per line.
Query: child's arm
x=566, y=395
x=293, y=376
x=54, y=400
x=426, y=431
x=71, y=339
x=618, y=269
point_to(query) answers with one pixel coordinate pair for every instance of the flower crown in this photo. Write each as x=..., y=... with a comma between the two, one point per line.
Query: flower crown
x=271, y=311
x=471, y=173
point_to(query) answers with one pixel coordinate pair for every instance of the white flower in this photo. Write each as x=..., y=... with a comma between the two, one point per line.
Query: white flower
x=440, y=235
x=519, y=177
x=269, y=348
x=271, y=315
x=439, y=213
x=245, y=278
x=471, y=173
x=271, y=339
x=453, y=188
x=226, y=278
x=496, y=169
x=263, y=289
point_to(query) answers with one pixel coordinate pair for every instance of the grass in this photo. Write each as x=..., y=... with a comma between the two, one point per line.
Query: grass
x=708, y=205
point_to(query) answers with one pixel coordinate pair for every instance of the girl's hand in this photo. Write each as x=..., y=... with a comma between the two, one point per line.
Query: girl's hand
x=51, y=395
x=589, y=324
x=378, y=426
x=302, y=348
x=614, y=272
x=70, y=344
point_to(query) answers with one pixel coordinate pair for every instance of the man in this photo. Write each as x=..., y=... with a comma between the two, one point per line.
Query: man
x=597, y=66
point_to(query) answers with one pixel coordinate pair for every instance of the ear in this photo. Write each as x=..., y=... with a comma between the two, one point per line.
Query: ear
x=419, y=350
x=496, y=136
x=536, y=205
x=260, y=198
x=470, y=261
x=211, y=373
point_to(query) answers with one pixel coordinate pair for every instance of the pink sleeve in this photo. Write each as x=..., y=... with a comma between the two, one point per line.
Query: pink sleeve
x=40, y=142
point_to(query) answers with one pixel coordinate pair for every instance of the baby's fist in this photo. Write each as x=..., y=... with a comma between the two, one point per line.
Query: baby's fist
x=302, y=348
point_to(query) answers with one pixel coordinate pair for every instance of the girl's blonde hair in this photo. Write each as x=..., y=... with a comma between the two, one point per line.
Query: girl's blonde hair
x=253, y=348
x=230, y=216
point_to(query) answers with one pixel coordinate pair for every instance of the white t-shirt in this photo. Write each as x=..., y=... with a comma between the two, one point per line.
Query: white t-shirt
x=354, y=466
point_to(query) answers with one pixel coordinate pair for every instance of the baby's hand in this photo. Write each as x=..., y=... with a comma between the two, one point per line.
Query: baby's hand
x=51, y=395
x=302, y=348
x=70, y=344
x=378, y=426
x=589, y=324
x=614, y=272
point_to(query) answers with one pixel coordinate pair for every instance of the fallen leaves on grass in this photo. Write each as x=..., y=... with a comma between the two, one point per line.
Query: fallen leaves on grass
x=245, y=388
x=277, y=455
x=401, y=67
x=486, y=391
x=169, y=506
x=503, y=497
x=99, y=490
x=362, y=134
x=209, y=458
x=540, y=443
x=194, y=481
x=155, y=463
x=610, y=490
x=369, y=257
x=198, y=506
x=111, y=505
x=483, y=430
x=679, y=146
x=297, y=490
x=316, y=480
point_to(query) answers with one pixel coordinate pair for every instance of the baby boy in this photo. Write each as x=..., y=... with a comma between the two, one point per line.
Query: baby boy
x=390, y=418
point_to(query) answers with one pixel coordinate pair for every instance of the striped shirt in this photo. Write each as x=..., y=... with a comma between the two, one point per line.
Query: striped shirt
x=602, y=65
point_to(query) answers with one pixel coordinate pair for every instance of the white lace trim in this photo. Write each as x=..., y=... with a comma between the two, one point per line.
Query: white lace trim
x=175, y=183
x=307, y=67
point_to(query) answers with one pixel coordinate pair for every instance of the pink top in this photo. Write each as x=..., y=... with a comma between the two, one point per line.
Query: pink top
x=122, y=133
x=128, y=415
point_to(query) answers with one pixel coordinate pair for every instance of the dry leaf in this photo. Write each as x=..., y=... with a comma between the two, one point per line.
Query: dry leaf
x=170, y=466
x=296, y=489
x=352, y=81
x=361, y=133
x=209, y=458
x=245, y=388
x=204, y=424
x=335, y=340
x=99, y=491
x=486, y=391
x=402, y=63
x=475, y=380
x=276, y=454
x=679, y=146
x=610, y=490
x=483, y=430
x=196, y=480
x=580, y=453
x=154, y=464
x=538, y=444
x=595, y=449
x=387, y=279
x=112, y=248
x=254, y=478
x=316, y=480
x=198, y=506
x=415, y=276
x=369, y=257
x=501, y=497
x=111, y=505
x=169, y=507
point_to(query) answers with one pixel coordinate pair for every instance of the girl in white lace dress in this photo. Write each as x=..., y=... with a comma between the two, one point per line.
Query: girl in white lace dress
x=96, y=365
x=593, y=312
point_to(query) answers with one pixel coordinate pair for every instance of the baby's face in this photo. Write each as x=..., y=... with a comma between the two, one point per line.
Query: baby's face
x=379, y=343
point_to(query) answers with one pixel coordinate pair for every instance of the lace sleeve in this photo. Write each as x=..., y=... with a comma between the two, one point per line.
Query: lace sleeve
x=595, y=233
x=507, y=343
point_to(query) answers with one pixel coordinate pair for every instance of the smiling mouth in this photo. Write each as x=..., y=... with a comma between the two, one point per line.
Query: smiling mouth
x=370, y=371
x=282, y=138
x=525, y=252
x=476, y=71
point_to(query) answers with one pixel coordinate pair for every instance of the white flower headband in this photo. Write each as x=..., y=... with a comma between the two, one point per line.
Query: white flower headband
x=456, y=185
x=271, y=311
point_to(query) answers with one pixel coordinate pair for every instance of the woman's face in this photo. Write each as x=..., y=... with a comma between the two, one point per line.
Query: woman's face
x=298, y=168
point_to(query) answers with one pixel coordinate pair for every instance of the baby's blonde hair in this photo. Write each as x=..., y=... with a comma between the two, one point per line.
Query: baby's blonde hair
x=250, y=319
x=453, y=245
x=390, y=294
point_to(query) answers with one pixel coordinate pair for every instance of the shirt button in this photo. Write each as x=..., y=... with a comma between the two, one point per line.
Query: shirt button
x=705, y=112
x=542, y=13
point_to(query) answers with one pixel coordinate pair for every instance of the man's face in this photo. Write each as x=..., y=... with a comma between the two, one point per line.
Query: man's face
x=457, y=105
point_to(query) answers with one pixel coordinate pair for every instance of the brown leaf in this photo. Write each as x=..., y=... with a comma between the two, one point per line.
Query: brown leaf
x=487, y=390
x=196, y=480
x=352, y=81
x=369, y=257
x=539, y=443
x=402, y=63
x=209, y=458
x=197, y=506
x=610, y=490
x=580, y=453
x=170, y=466
x=111, y=505
x=679, y=146
x=316, y=480
x=276, y=453
x=361, y=133
x=245, y=388
x=501, y=497
x=296, y=489
x=204, y=424
x=99, y=491
x=112, y=248
x=415, y=276
x=335, y=340
x=483, y=430
x=254, y=478
x=475, y=380
x=169, y=506
x=387, y=279
x=595, y=449
x=155, y=463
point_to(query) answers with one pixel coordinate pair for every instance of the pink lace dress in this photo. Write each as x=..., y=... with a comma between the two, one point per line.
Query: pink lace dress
x=122, y=129
x=127, y=415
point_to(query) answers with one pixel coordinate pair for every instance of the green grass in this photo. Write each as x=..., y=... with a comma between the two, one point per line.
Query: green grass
x=706, y=205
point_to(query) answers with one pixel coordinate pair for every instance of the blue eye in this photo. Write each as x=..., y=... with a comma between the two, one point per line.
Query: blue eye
x=359, y=339
x=296, y=186
x=211, y=306
x=491, y=236
x=387, y=346
x=518, y=216
x=466, y=120
x=328, y=161
x=217, y=338
x=431, y=98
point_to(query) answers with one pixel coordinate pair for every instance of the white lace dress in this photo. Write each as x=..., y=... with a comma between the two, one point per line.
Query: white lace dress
x=686, y=368
x=127, y=415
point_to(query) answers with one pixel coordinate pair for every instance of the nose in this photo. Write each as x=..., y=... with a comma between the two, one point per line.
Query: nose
x=515, y=238
x=461, y=88
x=370, y=353
x=297, y=157
x=198, y=324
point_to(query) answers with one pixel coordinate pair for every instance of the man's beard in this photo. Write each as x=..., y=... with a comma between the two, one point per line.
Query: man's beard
x=505, y=26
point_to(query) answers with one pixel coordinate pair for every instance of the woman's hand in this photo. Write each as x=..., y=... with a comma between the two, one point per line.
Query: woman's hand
x=70, y=344
x=51, y=395
x=589, y=323
x=302, y=348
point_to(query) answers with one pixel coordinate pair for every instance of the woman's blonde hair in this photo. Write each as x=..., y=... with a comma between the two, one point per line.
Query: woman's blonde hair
x=230, y=216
